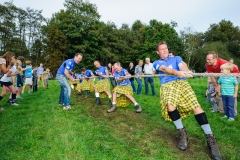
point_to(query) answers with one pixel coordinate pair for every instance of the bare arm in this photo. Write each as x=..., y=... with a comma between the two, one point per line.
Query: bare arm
x=68, y=75
x=4, y=69
x=170, y=71
x=235, y=91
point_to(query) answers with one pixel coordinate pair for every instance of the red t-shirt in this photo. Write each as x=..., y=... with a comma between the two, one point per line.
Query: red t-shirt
x=217, y=69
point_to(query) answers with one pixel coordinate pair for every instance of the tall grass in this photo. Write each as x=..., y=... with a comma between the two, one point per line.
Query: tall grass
x=40, y=129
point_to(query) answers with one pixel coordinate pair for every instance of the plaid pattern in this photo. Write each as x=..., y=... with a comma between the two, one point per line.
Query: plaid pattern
x=86, y=85
x=179, y=94
x=101, y=86
x=122, y=100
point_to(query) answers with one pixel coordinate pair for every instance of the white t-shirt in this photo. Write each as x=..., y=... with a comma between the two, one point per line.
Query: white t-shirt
x=2, y=61
x=148, y=68
x=5, y=78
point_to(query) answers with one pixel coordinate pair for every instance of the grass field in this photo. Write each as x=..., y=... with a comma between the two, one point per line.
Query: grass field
x=40, y=129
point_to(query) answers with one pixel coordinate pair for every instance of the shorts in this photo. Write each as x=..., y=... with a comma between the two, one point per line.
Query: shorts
x=6, y=84
x=29, y=81
x=19, y=81
x=179, y=94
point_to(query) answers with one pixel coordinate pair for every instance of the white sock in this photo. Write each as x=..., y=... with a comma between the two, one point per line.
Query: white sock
x=97, y=94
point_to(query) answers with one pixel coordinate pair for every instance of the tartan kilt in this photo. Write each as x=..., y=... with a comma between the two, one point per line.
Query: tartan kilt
x=86, y=85
x=101, y=86
x=179, y=94
x=122, y=100
x=74, y=84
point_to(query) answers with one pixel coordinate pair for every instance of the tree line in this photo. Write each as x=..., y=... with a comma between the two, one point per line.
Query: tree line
x=78, y=28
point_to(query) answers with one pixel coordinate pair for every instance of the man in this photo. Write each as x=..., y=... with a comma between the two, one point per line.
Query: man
x=87, y=84
x=149, y=70
x=213, y=66
x=102, y=85
x=62, y=76
x=40, y=71
x=123, y=87
x=178, y=98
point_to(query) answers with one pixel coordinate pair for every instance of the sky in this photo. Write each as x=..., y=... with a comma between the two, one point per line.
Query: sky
x=196, y=14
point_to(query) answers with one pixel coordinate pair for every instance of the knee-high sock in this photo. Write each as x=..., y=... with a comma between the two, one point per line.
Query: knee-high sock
x=203, y=122
x=175, y=116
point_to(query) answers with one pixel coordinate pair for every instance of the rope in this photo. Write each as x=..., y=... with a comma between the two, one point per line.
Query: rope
x=193, y=74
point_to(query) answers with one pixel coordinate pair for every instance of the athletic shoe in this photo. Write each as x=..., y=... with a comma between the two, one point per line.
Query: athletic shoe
x=1, y=108
x=14, y=104
x=231, y=119
x=224, y=116
x=67, y=108
x=9, y=100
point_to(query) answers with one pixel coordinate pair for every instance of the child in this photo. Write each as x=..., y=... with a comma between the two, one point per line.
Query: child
x=28, y=76
x=228, y=90
x=211, y=95
x=6, y=82
x=46, y=75
x=34, y=79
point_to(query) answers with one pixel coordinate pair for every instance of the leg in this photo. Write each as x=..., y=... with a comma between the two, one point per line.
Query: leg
x=139, y=81
x=220, y=104
x=113, y=108
x=230, y=106
x=133, y=86
x=98, y=101
x=211, y=140
x=151, y=81
x=137, y=106
x=225, y=102
x=146, y=84
x=110, y=97
x=235, y=107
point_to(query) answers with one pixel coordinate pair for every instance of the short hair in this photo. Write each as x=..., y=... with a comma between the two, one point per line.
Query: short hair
x=21, y=58
x=227, y=66
x=160, y=43
x=231, y=59
x=28, y=62
x=83, y=70
x=215, y=55
x=77, y=54
x=172, y=53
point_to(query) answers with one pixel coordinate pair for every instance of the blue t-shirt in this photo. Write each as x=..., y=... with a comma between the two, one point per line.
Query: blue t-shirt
x=122, y=73
x=28, y=72
x=79, y=75
x=68, y=65
x=88, y=73
x=227, y=85
x=101, y=70
x=170, y=62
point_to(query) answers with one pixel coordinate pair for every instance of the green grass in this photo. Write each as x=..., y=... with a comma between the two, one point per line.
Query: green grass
x=40, y=129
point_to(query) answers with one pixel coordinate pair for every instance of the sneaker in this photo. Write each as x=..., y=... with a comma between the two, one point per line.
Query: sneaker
x=231, y=119
x=15, y=104
x=224, y=116
x=67, y=108
x=1, y=108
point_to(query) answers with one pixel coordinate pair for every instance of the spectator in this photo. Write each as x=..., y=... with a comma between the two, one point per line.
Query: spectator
x=213, y=66
x=149, y=70
x=40, y=71
x=139, y=71
x=131, y=70
x=211, y=95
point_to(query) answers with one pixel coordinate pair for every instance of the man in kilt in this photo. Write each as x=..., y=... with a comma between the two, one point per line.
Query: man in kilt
x=87, y=84
x=102, y=87
x=178, y=99
x=123, y=87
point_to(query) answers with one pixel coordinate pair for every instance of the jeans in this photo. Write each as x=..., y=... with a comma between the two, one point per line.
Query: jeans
x=151, y=81
x=133, y=86
x=65, y=93
x=228, y=103
x=139, y=82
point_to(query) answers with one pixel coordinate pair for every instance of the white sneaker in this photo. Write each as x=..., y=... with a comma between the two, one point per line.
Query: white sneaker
x=14, y=104
x=1, y=108
x=67, y=108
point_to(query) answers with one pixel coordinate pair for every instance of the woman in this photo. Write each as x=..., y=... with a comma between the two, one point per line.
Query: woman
x=139, y=71
x=131, y=70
